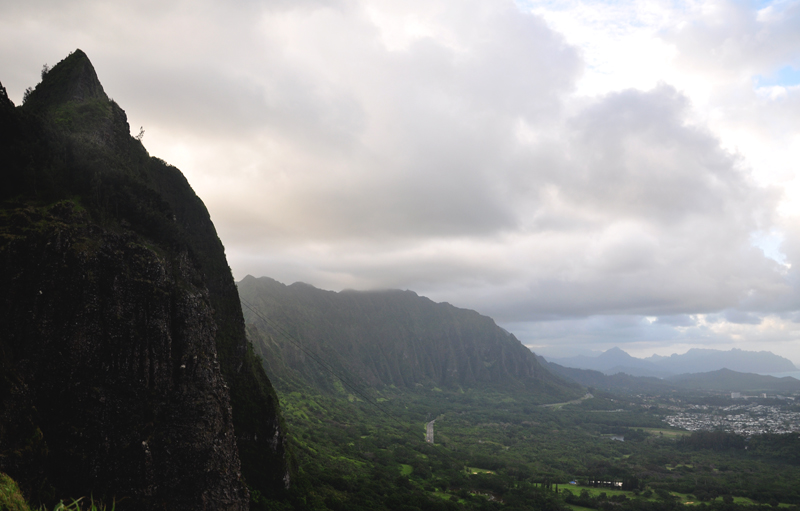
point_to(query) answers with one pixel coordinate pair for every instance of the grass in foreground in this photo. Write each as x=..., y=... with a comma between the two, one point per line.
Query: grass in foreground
x=77, y=505
x=11, y=500
x=10, y=496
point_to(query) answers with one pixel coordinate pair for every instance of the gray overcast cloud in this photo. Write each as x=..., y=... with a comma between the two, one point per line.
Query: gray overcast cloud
x=589, y=176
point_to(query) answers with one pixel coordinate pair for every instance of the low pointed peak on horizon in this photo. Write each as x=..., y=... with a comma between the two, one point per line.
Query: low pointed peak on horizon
x=615, y=349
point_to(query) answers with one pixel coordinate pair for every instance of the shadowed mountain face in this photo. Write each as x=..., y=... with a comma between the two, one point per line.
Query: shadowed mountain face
x=125, y=372
x=386, y=338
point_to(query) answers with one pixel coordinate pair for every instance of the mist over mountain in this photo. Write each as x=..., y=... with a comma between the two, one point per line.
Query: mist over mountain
x=387, y=338
x=125, y=372
x=695, y=360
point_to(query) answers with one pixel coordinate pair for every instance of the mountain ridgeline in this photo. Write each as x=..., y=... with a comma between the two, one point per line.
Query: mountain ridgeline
x=696, y=370
x=386, y=338
x=721, y=380
x=695, y=360
x=125, y=372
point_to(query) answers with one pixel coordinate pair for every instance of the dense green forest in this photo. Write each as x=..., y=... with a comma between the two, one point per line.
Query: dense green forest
x=499, y=450
x=511, y=443
x=496, y=450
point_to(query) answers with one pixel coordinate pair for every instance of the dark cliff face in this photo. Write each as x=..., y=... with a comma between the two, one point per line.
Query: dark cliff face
x=387, y=338
x=115, y=386
x=124, y=367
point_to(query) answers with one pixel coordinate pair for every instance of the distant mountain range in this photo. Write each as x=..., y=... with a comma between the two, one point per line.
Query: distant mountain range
x=619, y=383
x=721, y=380
x=695, y=360
x=726, y=380
x=386, y=338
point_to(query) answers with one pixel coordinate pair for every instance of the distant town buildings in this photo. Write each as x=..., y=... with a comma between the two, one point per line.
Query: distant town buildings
x=743, y=419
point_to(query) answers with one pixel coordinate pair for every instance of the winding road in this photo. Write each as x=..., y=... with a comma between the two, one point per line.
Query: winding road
x=429, y=433
x=557, y=405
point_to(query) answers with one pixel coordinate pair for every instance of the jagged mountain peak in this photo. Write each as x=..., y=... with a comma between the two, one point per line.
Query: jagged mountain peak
x=71, y=99
x=71, y=80
x=124, y=368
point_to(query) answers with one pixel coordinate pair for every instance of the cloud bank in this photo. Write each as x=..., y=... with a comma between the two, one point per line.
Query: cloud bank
x=492, y=154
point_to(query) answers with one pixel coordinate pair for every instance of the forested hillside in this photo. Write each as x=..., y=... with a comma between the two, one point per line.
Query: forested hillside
x=388, y=338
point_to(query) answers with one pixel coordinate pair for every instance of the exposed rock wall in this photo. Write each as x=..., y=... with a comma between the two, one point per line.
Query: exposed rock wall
x=113, y=387
x=124, y=367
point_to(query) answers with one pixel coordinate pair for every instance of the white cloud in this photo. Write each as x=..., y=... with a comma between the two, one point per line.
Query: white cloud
x=571, y=170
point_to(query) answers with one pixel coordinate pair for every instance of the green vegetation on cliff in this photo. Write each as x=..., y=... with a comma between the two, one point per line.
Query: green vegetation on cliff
x=389, y=338
x=497, y=446
x=361, y=373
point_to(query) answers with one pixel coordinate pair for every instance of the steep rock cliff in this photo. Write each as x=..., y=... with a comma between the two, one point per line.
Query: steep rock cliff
x=125, y=372
x=387, y=338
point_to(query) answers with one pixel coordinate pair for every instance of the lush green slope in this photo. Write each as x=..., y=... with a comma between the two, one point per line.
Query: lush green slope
x=496, y=446
x=388, y=338
x=499, y=451
x=114, y=285
x=361, y=373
